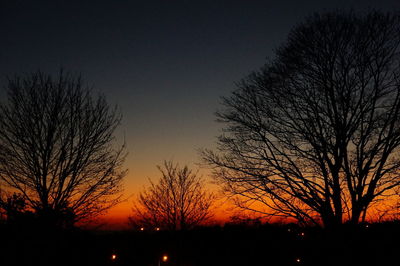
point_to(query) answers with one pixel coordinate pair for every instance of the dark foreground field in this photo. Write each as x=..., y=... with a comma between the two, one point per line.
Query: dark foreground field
x=375, y=244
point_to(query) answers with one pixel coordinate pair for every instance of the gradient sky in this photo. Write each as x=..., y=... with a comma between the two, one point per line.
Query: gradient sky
x=164, y=63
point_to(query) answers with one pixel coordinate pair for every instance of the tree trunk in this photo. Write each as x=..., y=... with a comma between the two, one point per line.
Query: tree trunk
x=355, y=214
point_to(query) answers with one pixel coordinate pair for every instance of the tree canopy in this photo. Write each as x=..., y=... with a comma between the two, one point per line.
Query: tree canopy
x=315, y=133
x=57, y=147
x=178, y=201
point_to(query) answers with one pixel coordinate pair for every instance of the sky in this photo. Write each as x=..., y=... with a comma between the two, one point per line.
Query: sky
x=166, y=64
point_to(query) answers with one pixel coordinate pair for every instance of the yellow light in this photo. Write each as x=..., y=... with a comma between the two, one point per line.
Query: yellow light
x=141, y=228
x=298, y=260
x=302, y=234
x=157, y=229
x=113, y=257
x=164, y=258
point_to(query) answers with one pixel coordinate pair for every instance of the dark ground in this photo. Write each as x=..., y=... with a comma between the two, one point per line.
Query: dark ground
x=375, y=244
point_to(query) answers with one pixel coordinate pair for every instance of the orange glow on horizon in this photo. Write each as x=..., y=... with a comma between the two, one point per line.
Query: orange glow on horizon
x=117, y=217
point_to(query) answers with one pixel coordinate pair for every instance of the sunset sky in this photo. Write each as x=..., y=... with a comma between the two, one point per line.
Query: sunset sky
x=164, y=63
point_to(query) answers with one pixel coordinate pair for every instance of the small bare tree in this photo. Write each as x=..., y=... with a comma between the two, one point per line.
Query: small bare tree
x=56, y=147
x=11, y=206
x=315, y=134
x=178, y=201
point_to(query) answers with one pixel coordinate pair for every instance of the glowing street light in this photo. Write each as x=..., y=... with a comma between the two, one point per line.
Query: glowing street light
x=141, y=228
x=157, y=228
x=164, y=258
x=298, y=260
x=113, y=257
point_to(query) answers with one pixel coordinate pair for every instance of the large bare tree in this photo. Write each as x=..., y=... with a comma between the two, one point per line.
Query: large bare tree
x=57, y=147
x=315, y=134
x=178, y=201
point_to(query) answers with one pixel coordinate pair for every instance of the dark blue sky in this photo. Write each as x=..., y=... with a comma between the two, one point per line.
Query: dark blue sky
x=165, y=63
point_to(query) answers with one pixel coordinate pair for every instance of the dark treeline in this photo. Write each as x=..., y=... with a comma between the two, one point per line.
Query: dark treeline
x=233, y=244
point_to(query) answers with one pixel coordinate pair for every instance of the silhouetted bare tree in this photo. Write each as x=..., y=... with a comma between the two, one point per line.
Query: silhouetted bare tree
x=315, y=133
x=56, y=147
x=178, y=201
